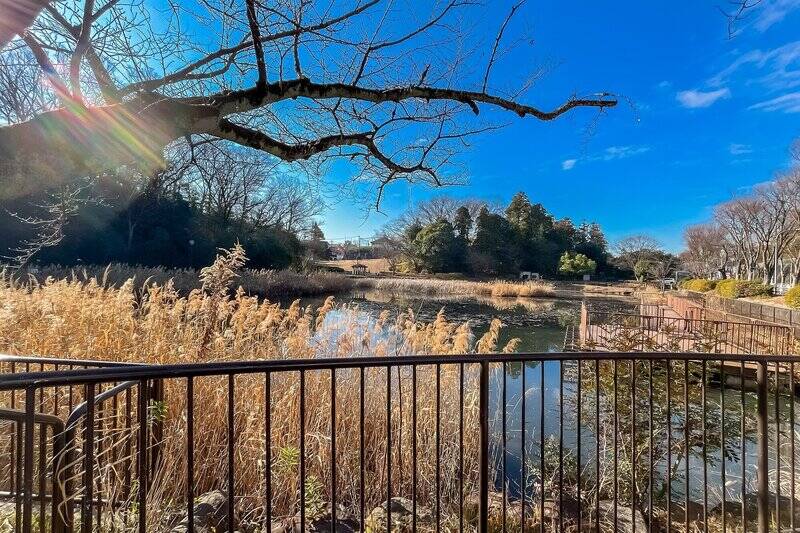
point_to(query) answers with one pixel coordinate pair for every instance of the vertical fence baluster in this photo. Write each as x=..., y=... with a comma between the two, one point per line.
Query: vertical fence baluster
x=27, y=487
x=88, y=462
x=389, y=449
x=615, y=445
x=597, y=442
x=504, y=460
x=413, y=449
x=561, y=445
x=523, y=435
x=461, y=448
x=141, y=456
x=190, y=453
x=303, y=450
x=723, y=470
x=633, y=445
x=778, y=445
x=669, y=444
x=743, y=430
x=578, y=445
x=704, y=444
x=541, y=445
x=650, y=502
x=483, y=478
x=361, y=440
x=438, y=447
x=792, y=433
x=231, y=451
x=686, y=450
x=763, y=450
x=268, y=447
x=333, y=445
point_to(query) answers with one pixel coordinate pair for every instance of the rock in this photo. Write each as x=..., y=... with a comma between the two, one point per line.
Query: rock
x=401, y=510
x=346, y=522
x=624, y=523
x=513, y=513
x=210, y=514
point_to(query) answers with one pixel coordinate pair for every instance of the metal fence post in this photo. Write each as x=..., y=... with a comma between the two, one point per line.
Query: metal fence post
x=762, y=450
x=483, y=407
x=27, y=499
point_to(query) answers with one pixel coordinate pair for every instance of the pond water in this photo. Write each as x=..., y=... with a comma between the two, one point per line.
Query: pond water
x=541, y=324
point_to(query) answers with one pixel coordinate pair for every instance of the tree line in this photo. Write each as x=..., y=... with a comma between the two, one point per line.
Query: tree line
x=477, y=237
x=755, y=236
x=207, y=197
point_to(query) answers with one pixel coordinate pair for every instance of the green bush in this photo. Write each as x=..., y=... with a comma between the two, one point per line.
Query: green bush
x=739, y=288
x=792, y=297
x=699, y=285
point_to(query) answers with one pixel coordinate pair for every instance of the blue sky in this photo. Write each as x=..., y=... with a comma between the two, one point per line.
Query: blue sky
x=709, y=116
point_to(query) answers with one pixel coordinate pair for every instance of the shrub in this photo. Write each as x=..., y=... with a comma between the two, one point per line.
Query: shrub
x=699, y=285
x=739, y=288
x=573, y=264
x=792, y=297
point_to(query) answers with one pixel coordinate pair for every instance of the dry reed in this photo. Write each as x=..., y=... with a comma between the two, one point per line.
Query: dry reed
x=431, y=287
x=96, y=319
x=261, y=282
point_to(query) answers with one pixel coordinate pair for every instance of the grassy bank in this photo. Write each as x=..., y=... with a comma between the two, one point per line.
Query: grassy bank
x=282, y=284
x=431, y=287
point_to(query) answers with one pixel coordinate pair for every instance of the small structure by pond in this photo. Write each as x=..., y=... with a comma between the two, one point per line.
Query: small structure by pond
x=359, y=269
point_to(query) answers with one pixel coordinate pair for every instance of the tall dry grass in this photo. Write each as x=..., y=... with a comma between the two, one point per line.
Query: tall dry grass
x=434, y=287
x=96, y=319
x=275, y=284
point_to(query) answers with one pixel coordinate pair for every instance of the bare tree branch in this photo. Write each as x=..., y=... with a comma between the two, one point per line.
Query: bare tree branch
x=497, y=41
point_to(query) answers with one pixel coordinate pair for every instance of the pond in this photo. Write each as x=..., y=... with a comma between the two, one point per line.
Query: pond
x=540, y=324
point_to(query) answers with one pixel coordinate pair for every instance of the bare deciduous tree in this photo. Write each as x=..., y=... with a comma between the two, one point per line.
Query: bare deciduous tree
x=635, y=248
x=382, y=86
x=707, y=250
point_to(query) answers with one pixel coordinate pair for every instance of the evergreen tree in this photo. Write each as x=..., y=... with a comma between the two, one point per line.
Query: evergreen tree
x=436, y=248
x=493, y=250
x=462, y=222
x=532, y=226
x=315, y=233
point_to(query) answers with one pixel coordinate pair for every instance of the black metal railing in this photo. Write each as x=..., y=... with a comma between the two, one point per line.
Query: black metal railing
x=500, y=442
x=62, y=409
x=660, y=333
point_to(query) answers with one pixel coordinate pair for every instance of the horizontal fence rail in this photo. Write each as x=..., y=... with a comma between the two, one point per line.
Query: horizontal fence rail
x=598, y=441
x=660, y=333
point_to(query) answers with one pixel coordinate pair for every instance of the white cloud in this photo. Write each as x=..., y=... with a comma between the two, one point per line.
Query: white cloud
x=622, y=152
x=773, y=12
x=694, y=98
x=740, y=149
x=612, y=153
x=776, y=69
x=788, y=103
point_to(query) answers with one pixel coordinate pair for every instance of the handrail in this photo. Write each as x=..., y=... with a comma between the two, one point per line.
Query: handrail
x=81, y=408
x=37, y=360
x=183, y=370
x=59, y=450
x=142, y=374
x=676, y=318
x=40, y=418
